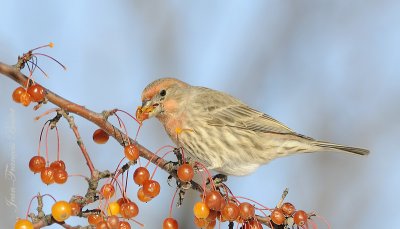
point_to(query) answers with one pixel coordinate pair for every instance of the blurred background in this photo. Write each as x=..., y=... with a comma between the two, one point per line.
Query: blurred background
x=327, y=69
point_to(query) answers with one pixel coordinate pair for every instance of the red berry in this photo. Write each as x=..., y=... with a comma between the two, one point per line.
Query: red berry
x=60, y=176
x=151, y=188
x=213, y=200
x=246, y=211
x=107, y=191
x=16, y=95
x=131, y=152
x=170, y=223
x=47, y=175
x=277, y=216
x=58, y=165
x=36, y=92
x=288, y=209
x=140, y=175
x=122, y=200
x=300, y=218
x=37, y=164
x=100, y=136
x=231, y=211
x=185, y=172
x=129, y=210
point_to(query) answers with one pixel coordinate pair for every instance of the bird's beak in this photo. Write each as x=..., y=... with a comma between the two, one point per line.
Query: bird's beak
x=143, y=112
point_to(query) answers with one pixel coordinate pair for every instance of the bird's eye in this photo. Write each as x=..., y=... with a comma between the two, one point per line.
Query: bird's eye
x=163, y=92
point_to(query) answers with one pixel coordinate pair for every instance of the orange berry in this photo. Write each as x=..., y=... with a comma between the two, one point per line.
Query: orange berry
x=94, y=219
x=25, y=98
x=36, y=92
x=16, y=95
x=75, y=208
x=60, y=176
x=151, y=188
x=170, y=223
x=140, y=175
x=142, y=197
x=113, y=222
x=100, y=136
x=247, y=211
x=47, y=175
x=213, y=200
x=58, y=165
x=124, y=225
x=201, y=210
x=288, y=209
x=107, y=191
x=131, y=152
x=300, y=218
x=277, y=216
x=113, y=208
x=231, y=211
x=61, y=211
x=37, y=164
x=185, y=172
x=23, y=224
x=129, y=210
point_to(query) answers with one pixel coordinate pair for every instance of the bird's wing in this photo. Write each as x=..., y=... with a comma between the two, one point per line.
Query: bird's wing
x=244, y=117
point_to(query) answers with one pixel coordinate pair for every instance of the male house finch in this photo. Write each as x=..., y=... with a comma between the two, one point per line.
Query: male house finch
x=222, y=132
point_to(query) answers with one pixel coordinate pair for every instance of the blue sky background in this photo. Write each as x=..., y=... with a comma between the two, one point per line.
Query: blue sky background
x=327, y=69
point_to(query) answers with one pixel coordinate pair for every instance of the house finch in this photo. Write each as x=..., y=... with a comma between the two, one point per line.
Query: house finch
x=222, y=132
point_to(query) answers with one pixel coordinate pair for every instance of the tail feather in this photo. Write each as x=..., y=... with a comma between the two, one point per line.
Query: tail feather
x=349, y=149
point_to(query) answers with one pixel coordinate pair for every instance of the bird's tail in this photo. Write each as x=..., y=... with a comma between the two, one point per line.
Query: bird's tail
x=349, y=149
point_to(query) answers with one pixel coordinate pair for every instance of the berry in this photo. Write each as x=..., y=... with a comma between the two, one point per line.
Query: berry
x=151, y=188
x=37, y=164
x=201, y=210
x=113, y=222
x=36, y=92
x=60, y=176
x=58, y=165
x=252, y=224
x=102, y=225
x=124, y=225
x=277, y=216
x=16, y=95
x=300, y=218
x=200, y=223
x=94, y=219
x=122, y=200
x=230, y=211
x=100, y=136
x=113, y=208
x=131, y=152
x=288, y=209
x=142, y=197
x=140, y=175
x=129, y=210
x=185, y=172
x=213, y=200
x=25, y=98
x=61, y=211
x=170, y=223
x=107, y=191
x=23, y=224
x=246, y=211
x=75, y=208
x=211, y=224
x=47, y=175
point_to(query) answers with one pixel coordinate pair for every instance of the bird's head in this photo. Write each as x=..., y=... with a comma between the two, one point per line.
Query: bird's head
x=158, y=97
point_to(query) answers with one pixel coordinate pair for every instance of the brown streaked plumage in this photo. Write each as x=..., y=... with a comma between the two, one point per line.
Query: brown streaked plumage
x=222, y=132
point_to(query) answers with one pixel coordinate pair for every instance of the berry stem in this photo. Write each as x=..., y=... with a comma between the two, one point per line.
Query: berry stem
x=158, y=164
x=58, y=144
x=172, y=201
x=40, y=138
x=158, y=151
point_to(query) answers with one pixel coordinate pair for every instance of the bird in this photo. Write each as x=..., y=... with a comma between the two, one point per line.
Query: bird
x=221, y=132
